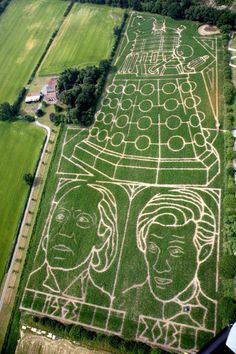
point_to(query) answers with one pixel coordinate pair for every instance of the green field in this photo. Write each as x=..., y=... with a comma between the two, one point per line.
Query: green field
x=127, y=240
x=85, y=38
x=23, y=142
x=25, y=29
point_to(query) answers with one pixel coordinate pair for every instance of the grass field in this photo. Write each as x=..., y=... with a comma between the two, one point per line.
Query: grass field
x=25, y=29
x=127, y=240
x=23, y=142
x=85, y=38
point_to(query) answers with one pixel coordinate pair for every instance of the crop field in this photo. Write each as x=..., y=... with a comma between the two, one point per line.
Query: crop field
x=23, y=143
x=127, y=241
x=25, y=29
x=85, y=38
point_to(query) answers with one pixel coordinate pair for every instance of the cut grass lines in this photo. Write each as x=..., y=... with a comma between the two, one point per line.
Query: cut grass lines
x=85, y=38
x=23, y=142
x=25, y=29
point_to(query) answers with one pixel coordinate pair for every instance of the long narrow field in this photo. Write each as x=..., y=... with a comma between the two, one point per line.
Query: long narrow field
x=85, y=38
x=20, y=145
x=25, y=28
x=128, y=238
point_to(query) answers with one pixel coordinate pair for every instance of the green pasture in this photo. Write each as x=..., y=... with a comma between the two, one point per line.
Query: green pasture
x=25, y=29
x=85, y=38
x=114, y=198
x=19, y=148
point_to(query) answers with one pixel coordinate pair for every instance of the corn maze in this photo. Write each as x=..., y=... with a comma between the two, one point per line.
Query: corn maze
x=130, y=245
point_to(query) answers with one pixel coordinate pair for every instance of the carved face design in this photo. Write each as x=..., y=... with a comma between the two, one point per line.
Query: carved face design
x=73, y=229
x=171, y=259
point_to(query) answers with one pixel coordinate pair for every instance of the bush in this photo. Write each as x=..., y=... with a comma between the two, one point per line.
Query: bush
x=228, y=266
x=229, y=92
x=227, y=308
x=40, y=112
x=230, y=202
x=29, y=178
x=58, y=108
x=230, y=170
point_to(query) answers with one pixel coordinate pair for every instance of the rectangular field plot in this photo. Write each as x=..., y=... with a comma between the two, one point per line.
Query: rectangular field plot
x=128, y=237
x=25, y=29
x=85, y=38
x=23, y=142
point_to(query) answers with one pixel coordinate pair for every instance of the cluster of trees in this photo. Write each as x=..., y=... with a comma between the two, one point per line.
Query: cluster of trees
x=193, y=10
x=3, y=5
x=80, y=89
x=85, y=336
x=10, y=112
x=224, y=2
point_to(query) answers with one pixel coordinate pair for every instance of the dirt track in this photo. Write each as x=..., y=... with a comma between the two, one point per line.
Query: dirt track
x=35, y=344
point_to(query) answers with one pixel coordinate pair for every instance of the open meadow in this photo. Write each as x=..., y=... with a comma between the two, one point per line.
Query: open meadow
x=25, y=29
x=127, y=241
x=85, y=38
x=20, y=145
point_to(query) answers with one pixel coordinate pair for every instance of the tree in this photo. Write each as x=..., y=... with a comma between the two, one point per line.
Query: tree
x=228, y=266
x=29, y=178
x=229, y=92
x=6, y=111
x=227, y=307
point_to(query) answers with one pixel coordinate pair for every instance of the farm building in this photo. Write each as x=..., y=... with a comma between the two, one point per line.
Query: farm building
x=33, y=97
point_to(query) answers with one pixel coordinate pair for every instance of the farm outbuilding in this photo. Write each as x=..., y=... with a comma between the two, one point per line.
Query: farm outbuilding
x=33, y=97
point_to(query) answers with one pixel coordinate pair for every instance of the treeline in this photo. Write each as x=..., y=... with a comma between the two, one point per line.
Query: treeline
x=178, y=9
x=224, y=2
x=11, y=112
x=227, y=304
x=3, y=5
x=90, y=338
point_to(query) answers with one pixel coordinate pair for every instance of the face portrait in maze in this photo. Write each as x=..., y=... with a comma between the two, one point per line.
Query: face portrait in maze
x=81, y=238
x=176, y=234
x=158, y=118
x=72, y=225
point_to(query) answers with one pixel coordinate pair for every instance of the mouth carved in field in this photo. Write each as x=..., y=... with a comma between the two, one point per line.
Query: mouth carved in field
x=162, y=282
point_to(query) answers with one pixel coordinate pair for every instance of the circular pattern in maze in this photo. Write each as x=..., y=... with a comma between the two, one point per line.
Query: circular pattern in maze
x=126, y=104
x=142, y=142
x=194, y=120
x=145, y=105
x=147, y=89
x=171, y=104
x=122, y=121
x=108, y=119
x=199, y=139
x=117, y=139
x=106, y=101
x=100, y=116
x=94, y=131
x=184, y=51
x=102, y=135
x=169, y=88
x=173, y=122
x=111, y=88
x=129, y=89
x=176, y=143
x=113, y=102
x=191, y=102
x=118, y=89
x=201, y=115
x=144, y=123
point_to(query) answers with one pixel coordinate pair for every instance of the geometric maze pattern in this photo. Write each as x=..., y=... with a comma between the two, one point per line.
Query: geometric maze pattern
x=136, y=202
